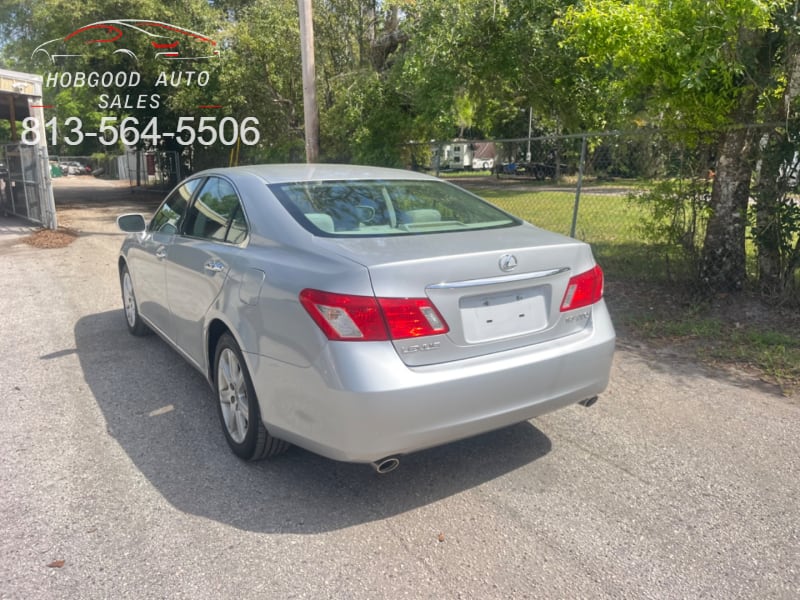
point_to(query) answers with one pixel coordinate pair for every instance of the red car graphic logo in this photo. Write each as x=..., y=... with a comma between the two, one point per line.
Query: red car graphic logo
x=131, y=37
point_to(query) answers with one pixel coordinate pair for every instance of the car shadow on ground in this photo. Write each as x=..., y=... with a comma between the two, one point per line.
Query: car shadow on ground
x=163, y=415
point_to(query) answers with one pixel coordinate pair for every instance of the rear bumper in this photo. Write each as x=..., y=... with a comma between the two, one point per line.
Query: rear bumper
x=359, y=403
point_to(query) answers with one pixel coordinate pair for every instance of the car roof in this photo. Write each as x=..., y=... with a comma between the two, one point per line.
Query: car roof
x=296, y=172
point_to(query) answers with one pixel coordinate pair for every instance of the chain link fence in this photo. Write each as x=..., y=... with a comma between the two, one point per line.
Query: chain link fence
x=608, y=185
x=153, y=169
x=160, y=169
x=25, y=188
x=642, y=200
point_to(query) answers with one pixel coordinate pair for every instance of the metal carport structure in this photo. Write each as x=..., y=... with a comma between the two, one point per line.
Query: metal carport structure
x=27, y=189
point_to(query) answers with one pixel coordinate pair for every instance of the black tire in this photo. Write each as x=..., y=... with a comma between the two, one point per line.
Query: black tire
x=129, y=305
x=237, y=405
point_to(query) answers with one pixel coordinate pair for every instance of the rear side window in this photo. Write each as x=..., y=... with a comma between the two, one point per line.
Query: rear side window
x=381, y=208
x=170, y=214
x=216, y=214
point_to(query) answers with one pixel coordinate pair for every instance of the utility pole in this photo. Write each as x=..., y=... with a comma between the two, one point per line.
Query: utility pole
x=310, y=110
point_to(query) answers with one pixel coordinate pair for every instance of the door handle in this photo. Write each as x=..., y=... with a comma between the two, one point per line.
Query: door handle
x=215, y=266
x=161, y=252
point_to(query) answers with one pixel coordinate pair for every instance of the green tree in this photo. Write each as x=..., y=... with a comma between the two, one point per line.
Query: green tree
x=706, y=68
x=262, y=77
x=469, y=68
x=365, y=114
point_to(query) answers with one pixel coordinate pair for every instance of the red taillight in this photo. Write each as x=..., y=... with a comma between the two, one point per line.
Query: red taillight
x=411, y=317
x=369, y=319
x=583, y=290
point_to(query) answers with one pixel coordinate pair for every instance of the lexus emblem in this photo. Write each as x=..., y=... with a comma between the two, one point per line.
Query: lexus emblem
x=508, y=262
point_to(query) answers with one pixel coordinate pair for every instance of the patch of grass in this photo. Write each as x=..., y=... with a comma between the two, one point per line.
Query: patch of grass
x=550, y=210
x=686, y=327
x=610, y=222
x=642, y=262
x=774, y=353
x=463, y=174
x=757, y=347
x=604, y=217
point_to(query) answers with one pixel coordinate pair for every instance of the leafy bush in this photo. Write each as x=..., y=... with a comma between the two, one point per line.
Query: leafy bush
x=678, y=211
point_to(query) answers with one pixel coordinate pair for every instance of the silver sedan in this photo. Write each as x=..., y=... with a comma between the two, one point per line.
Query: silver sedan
x=364, y=313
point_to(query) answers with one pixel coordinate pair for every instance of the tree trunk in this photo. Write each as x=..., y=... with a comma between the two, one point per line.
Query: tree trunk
x=768, y=233
x=723, y=262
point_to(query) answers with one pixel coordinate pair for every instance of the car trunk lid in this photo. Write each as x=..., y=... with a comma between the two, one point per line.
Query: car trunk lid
x=505, y=291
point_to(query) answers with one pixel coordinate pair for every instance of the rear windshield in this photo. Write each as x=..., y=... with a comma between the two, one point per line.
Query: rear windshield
x=381, y=208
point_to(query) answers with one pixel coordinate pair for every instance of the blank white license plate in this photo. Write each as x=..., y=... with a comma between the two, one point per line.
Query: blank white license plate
x=498, y=316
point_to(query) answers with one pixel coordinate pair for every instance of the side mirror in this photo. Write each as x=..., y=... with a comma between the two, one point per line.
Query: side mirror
x=132, y=223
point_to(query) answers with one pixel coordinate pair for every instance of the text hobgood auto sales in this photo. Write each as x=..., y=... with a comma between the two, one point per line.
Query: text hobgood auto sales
x=122, y=79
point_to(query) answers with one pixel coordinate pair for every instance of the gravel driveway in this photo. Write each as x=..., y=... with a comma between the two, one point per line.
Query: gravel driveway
x=116, y=481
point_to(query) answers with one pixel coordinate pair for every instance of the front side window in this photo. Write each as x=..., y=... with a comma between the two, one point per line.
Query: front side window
x=170, y=214
x=216, y=213
x=378, y=208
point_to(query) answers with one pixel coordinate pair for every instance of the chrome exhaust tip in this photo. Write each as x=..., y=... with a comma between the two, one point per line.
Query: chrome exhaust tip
x=386, y=465
x=588, y=402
